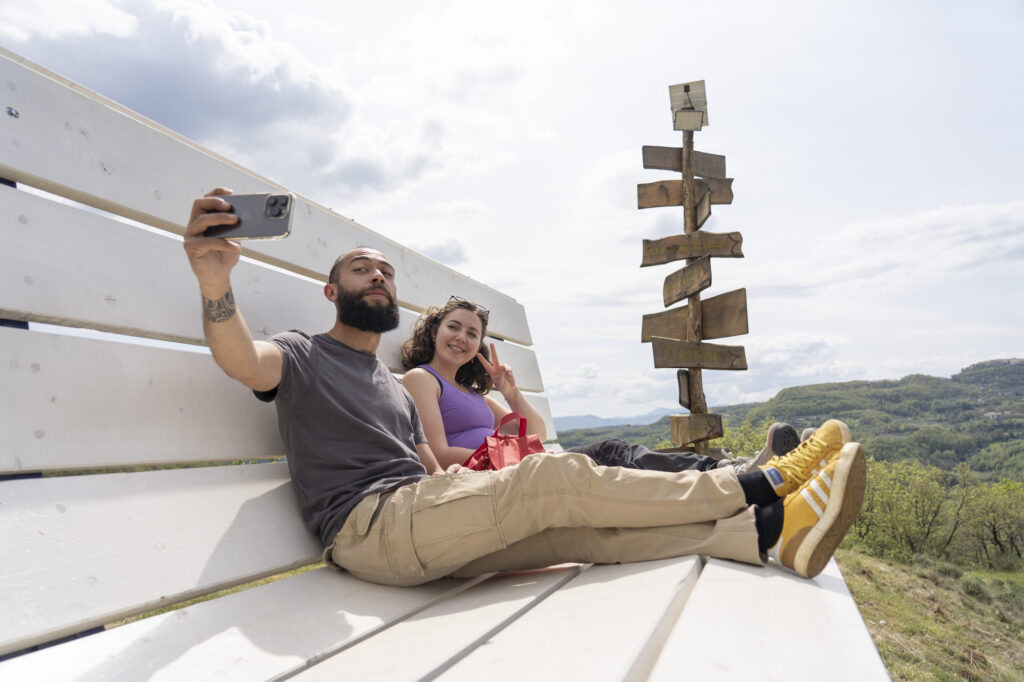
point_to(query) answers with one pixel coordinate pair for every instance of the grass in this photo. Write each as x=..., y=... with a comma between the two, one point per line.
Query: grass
x=215, y=595
x=934, y=621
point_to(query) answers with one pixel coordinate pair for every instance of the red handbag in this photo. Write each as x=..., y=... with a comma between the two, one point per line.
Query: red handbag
x=500, y=450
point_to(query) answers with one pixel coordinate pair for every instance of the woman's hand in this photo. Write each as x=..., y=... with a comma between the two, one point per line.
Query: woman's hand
x=453, y=469
x=500, y=374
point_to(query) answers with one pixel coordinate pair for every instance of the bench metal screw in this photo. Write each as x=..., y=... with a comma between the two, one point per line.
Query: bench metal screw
x=12, y=112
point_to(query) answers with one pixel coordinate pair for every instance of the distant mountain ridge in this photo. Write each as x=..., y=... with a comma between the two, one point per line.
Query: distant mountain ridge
x=589, y=421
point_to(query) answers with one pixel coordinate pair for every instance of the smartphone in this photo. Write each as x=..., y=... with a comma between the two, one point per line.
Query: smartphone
x=260, y=216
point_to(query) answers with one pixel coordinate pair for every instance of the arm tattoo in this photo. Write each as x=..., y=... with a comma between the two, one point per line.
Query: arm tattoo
x=221, y=310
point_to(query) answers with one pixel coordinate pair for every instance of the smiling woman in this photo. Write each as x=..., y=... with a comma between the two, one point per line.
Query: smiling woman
x=449, y=375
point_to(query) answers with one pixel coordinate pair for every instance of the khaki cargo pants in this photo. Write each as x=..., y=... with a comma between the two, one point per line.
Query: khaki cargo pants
x=550, y=509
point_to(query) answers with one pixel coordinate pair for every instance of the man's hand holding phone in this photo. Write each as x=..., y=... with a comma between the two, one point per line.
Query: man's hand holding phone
x=211, y=258
x=220, y=216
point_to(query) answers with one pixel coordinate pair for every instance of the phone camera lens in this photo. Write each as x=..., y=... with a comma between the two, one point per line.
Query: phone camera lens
x=276, y=211
x=272, y=201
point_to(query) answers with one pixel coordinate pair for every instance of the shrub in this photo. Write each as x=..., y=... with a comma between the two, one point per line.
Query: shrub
x=973, y=587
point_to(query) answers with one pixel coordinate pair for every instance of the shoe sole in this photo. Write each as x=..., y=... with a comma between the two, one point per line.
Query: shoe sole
x=769, y=450
x=845, y=498
x=787, y=440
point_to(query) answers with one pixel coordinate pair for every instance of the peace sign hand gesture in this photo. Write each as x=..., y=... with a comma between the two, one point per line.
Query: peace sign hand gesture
x=500, y=374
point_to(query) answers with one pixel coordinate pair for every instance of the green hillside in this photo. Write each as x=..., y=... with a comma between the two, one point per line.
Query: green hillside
x=975, y=417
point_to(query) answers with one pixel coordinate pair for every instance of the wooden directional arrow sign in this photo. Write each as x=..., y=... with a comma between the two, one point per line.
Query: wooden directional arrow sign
x=721, y=190
x=673, y=193
x=721, y=316
x=671, y=158
x=691, y=428
x=662, y=193
x=703, y=203
x=683, y=379
x=708, y=165
x=663, y=158
x=694, y=245
x=694, y=278
x=696, y=355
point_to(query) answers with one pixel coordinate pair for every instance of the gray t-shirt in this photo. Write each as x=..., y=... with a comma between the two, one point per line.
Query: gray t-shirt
x=349, y=427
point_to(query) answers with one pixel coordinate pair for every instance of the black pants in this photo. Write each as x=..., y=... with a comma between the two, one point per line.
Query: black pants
x=617, y=453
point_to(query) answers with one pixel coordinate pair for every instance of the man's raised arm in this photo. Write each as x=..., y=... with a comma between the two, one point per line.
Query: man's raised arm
x=257, y=364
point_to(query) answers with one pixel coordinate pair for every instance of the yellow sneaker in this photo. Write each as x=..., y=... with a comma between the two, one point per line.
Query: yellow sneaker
x=817, y=516
x=787, y=473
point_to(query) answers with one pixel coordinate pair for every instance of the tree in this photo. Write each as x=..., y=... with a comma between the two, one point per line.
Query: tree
x=746, y=439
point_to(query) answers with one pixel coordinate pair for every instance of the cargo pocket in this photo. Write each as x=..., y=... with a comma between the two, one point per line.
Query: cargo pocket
x=453, y=521
x=351, y=545
x=363, y=514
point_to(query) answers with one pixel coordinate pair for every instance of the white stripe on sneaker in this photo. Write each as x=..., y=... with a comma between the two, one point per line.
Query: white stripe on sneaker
x=811, y=502
x=822, y=492
x=827, y=479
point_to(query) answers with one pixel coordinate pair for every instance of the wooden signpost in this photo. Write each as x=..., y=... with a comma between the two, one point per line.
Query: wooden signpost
x=677, y=335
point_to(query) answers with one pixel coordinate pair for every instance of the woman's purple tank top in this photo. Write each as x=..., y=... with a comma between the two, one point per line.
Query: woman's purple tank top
x=467, y=418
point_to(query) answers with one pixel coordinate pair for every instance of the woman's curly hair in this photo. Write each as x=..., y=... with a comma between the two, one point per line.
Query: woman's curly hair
x=419, y=348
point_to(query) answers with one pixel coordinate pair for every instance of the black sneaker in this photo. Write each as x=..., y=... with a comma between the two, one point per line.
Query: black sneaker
x=781, y=439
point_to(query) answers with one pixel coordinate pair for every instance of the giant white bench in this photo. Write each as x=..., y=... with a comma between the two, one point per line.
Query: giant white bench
x=137, y=478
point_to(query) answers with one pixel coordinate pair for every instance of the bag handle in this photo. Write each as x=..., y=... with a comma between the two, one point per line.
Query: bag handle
x=512, y=416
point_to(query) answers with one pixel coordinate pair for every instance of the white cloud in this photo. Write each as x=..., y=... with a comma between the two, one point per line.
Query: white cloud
x=245, y=45
x=590, y=389
x=463, y=207
x=58, y=19
x=449, y=253
x=901, y=253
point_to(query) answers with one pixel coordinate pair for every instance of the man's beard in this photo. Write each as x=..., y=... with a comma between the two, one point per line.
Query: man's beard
x=353, y=311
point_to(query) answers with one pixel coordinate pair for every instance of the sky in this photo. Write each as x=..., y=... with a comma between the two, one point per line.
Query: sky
x=875, y=148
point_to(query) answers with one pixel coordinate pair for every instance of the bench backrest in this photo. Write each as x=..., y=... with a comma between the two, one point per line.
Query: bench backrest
x=97, y=248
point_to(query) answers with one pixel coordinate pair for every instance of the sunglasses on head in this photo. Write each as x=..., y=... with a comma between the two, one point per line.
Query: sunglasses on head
x=476, y=306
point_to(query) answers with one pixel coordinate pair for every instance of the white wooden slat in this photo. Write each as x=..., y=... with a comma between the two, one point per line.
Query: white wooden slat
x=608, y=624
x=421, y=645
x=256, y=634
x=539, y=403
x=158, y=405
x=81, y=551
x=153, y=292
x=780, y=626
x=74, y=403
x=523, y=362
x=113, y=276
x=70, y=141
